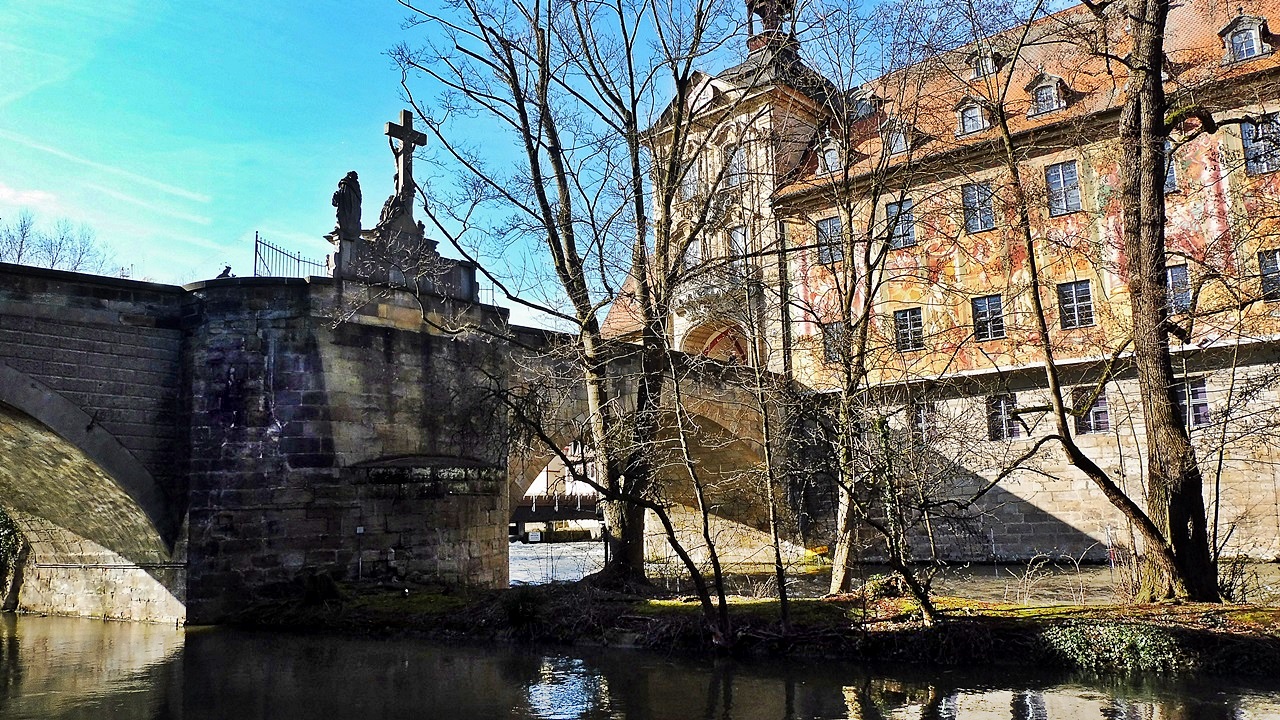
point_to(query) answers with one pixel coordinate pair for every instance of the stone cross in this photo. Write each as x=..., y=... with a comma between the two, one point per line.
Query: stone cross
x=409, y=139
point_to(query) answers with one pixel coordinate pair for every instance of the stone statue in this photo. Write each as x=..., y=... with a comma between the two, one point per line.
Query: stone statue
x=347, y=200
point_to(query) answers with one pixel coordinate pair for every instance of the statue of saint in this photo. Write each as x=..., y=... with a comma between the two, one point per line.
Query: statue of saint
x=347, y=200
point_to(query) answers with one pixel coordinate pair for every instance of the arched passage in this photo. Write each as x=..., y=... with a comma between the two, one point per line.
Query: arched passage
x=102, y=536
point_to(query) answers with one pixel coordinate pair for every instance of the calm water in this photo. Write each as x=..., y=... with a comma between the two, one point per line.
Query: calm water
x=53, y=668
x=1026, y=583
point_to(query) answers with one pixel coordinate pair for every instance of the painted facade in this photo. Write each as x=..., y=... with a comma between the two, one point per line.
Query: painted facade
x=906, y=193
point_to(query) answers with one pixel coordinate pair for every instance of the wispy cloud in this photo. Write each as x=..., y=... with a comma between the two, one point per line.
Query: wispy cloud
x=36, y=199
x=152, y=206
x=119, y=172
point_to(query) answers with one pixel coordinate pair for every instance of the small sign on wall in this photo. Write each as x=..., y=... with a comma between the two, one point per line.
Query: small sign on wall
x=535, y=536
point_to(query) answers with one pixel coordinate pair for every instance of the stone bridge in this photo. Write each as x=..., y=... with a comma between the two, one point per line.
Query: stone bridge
x=178, y=453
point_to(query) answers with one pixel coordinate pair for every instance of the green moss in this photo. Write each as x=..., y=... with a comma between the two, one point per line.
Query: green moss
x=412, y=603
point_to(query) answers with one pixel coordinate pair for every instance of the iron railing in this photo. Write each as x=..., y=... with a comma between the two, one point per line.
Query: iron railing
x=272, y=261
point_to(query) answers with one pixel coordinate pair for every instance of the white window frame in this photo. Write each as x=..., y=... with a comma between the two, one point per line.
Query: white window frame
x=1198, y=389
x=1075, y=305
x=988, y=317
x=978, y=202
x=901, y=223
x=1261, y=145
x=965, y=113
x=830, y=240
x=1002, y=417
x=908, y=329
x=1062, y=182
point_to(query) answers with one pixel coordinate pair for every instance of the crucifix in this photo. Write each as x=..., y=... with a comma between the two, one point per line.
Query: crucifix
x=409, y=139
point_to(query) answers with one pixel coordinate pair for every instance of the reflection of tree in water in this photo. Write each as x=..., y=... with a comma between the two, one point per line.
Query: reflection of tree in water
x=10, y=666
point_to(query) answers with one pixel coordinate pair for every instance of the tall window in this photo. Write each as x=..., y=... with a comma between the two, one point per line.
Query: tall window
x=738, y=246
x=830, y=243
x=830, y=159
x=1096, y=417
x=924, y=420
x=895, y=138
x=1245, y=45
x=1177, y=287
x=1002, y=417
x=1063, y=183
x=984, y=64
x=1170, y=171
x=735, y=166
x=908, y=326
x=832, y=341
x=1261, y=151
x=902, y=223
x=689, y=183
x=1269, y=269
x=971, y=119
x=693, y=253
x=1192, y=393
x=979, y=213
x=1046, y=98
x=988, y=318
x=1075, y=304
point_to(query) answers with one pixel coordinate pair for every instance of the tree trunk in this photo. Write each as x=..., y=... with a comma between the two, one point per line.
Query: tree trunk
x=1174, y=482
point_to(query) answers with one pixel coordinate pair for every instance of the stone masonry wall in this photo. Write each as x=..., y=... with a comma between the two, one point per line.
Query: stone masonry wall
x=112, y=347
x=358, y=447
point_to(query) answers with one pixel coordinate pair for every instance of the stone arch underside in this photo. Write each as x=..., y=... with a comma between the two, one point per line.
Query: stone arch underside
x=725, y=447
x=102, y=536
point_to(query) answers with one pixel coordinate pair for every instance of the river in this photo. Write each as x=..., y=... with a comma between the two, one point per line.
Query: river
x=60, y=668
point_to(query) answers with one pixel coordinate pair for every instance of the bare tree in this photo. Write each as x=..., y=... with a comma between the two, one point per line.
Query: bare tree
x=66, y=247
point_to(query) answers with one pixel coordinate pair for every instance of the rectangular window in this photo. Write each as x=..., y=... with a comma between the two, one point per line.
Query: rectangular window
x=1197, y=389
x=735, y=166
x=1244, y=44
x=1170, y=172
x=971, y=119
x=896, y=140
x=1260, y=149
x=693, y=253
x=988, y=318
x=1075, y=304
x=1096, y=418
x=1269, y=270
x=689, y=183
x=832, y=341
x=738, y=246
x=1063, y=183
x=830, y=159
x=1177, y=287
x=1002, y=417
x=979, y=212
x=830, y=242
x=924, y=418
x=1044, y=99
x=908, y=327
x=902, y=224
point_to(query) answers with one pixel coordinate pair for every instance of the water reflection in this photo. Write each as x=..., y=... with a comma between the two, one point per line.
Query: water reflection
x=56, y=668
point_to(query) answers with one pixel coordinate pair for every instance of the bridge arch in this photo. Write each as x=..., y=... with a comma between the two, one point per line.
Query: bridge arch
x=101, y=529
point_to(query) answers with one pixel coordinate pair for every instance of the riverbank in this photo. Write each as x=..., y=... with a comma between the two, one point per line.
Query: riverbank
x=1242, y=640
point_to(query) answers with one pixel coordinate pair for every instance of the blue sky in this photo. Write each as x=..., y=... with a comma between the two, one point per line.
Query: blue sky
x=177, y=129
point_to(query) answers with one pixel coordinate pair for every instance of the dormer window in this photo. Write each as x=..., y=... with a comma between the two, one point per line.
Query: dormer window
x=1245, y=44
x=984, y=63
x=1048, y=93
x=895, y=138
x=829, y=160
x=971, y=118
x=1244, y=38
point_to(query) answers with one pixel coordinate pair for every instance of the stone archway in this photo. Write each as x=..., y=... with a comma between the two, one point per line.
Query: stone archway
x=724, y=342
x=101, y=533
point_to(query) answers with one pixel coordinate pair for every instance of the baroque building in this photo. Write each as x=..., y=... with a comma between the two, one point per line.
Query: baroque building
x=893, y=225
